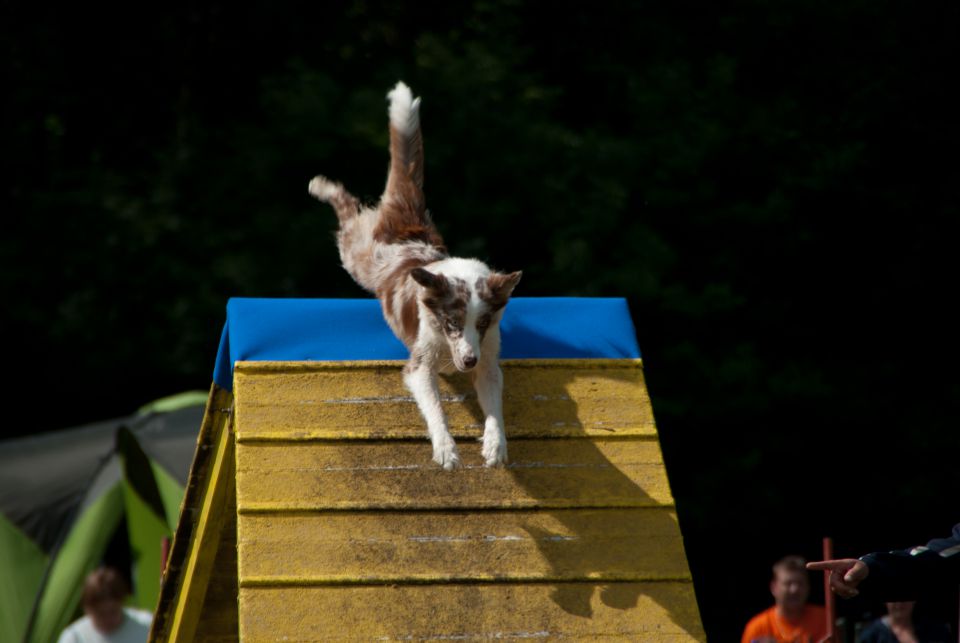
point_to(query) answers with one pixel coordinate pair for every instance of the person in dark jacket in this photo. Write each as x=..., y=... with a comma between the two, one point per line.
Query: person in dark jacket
x=899, y=625
x=897, y=575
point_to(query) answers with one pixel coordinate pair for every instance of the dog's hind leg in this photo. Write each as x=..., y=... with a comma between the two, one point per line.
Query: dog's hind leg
x=345, y=204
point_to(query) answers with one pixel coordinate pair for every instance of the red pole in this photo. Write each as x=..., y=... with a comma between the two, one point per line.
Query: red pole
x=164, y=555
x=828, y=596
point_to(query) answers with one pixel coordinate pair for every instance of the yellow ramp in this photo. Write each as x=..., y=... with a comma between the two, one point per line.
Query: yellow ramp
x=198, y=593
x=345, y=529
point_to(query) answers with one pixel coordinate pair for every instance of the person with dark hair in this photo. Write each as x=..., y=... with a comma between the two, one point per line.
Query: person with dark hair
x=791, y=619
x=899, y=626
x=106, y=620
x=898, y=575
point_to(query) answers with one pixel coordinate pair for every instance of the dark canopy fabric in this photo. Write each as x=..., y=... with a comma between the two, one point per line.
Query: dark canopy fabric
x=43, y=478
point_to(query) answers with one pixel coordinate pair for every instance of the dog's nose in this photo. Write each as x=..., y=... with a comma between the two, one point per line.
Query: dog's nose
x=470, y=362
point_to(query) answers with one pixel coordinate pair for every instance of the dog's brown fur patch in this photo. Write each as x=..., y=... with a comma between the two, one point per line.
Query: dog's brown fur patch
x=403, y=220
x=404, y=211
x=446, y=298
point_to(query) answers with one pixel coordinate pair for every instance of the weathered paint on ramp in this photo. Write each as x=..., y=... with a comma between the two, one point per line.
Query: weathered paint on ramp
x=347, y=530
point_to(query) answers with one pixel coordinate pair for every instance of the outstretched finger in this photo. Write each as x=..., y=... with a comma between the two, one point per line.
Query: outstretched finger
x=828, y=565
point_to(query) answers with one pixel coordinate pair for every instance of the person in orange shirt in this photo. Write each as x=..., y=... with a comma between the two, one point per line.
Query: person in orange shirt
x=791, y=619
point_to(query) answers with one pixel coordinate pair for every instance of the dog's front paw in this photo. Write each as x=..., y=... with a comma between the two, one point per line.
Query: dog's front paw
x=494, y=449
x=446, y=455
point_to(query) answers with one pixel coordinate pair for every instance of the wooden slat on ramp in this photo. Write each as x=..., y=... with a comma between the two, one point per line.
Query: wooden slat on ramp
x=347, y=530
x=542, y=473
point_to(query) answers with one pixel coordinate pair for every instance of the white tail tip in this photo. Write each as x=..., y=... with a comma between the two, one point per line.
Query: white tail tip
x=404, y=109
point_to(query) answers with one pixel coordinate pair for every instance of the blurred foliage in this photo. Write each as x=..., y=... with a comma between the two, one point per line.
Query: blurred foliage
x=768, y=183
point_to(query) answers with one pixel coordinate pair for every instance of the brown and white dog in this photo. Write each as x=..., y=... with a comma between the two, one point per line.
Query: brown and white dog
x=445, y=310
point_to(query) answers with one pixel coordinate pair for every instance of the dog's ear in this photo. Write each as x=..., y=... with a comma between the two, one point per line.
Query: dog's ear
x=502, y=284
x=429, y=280
x=499, y=288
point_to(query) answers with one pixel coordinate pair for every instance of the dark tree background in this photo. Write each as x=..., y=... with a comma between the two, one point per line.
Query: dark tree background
x=770, y=183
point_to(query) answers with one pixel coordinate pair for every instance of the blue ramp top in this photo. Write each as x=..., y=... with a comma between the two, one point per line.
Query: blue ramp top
x=354, y=329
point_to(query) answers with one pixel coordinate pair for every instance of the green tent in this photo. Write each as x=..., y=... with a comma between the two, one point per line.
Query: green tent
x=66, y=495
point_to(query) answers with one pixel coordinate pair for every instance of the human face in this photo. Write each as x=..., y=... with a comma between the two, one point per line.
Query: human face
x=790, y=589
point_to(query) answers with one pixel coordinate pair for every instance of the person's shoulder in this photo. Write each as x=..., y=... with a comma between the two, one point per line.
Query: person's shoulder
x=140, y=616
x=759, y=624
x=933, y=631
x=759, y=616
x=875, y=631
x=74, y=633
x=68, y=635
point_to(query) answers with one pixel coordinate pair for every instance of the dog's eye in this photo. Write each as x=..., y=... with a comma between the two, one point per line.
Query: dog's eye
x=451, y=325
x=483, y=323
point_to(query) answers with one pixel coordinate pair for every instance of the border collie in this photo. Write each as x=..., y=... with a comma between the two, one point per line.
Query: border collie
x=446, y=310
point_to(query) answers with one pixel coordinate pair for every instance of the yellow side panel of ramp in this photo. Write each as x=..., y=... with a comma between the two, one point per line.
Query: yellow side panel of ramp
x=346, y=529
x=198, y=594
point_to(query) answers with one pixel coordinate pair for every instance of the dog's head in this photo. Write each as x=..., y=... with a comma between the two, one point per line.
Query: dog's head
x=464, y=308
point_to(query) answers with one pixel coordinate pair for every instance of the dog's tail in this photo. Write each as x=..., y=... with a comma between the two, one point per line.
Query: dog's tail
x=404, y=215
x=405, y=180
x=406, y=142
x=345, y=204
